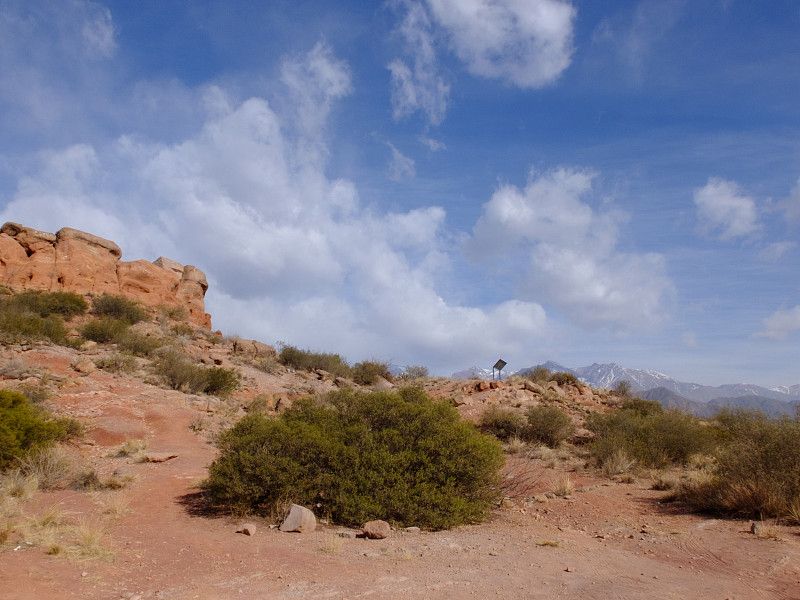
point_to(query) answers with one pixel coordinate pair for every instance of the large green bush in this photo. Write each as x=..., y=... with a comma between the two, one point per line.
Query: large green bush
x=26, y=428
x=648, y=434
x=757, y=468
x=369, y=371
x=44, y=304
x=398, y=456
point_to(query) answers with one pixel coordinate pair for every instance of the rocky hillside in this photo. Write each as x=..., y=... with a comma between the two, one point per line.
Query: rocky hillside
x=75, y=261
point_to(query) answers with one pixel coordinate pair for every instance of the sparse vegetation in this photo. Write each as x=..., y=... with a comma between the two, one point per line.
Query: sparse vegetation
x=306, y=360
x=503, y=423
x=538, y=374
x=757, y=469
x=648, y=434
x=105, y=331
x=565, y=377
x=399, y=456
x=413, y=372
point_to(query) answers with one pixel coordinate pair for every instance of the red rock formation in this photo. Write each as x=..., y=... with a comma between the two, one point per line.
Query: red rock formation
x=75, y=261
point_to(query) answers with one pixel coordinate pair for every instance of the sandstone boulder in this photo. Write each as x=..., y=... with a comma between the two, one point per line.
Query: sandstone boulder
x=300, y=519
x=377, y=530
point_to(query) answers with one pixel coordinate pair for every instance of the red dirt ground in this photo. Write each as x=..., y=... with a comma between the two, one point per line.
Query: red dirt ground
x=608, y=540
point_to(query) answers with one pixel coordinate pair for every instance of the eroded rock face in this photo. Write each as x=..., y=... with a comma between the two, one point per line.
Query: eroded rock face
x=76, y=261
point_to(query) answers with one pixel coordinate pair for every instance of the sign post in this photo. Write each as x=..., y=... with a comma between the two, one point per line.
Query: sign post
x=498, y=366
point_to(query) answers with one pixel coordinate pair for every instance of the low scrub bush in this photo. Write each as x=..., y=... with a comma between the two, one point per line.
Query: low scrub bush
x=117, y=363
x=26, y=428
x=565, y=377
x=369, y=371
x=414, y=372
x=651, y=436
x=180, y=373
x=119, y=308
x=305, y=360
x=137, y=343
x=547, y=425
x=398, y=456
x=503, y=423
x=18, y=324
x=105, y=331
x=538, y=374
x=757, y=468
x=45, y=304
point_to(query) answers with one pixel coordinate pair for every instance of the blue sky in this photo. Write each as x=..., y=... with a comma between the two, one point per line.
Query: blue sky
x=436, y=182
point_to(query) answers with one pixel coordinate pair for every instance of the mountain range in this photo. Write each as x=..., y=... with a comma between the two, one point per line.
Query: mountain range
x=702, y=400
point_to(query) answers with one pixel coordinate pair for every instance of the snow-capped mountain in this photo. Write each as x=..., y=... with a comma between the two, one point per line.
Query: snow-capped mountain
x=608, y=375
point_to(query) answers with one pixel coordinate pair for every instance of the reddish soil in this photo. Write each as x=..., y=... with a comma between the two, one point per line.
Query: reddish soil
x=608, y=540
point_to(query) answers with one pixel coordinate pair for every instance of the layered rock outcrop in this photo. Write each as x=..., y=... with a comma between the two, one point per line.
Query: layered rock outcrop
x=76, y=261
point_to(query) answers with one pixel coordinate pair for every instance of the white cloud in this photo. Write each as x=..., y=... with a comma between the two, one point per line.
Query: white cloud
x=432, y=144
x=723, y=210
x=780, y=324
x=773, y=252
x=290, y=253
x=568, y=254
x=419, y=87
x=401, y=167
x=98, y=31
x=525, y=42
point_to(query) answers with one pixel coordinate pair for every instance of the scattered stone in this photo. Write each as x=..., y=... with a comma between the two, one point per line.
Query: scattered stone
x=377, y=530
x=569, y=570
x=412, y=530
x=350, y=535
x=300, y=519
x=248, y=529
x=84, y=366
x=159, y=457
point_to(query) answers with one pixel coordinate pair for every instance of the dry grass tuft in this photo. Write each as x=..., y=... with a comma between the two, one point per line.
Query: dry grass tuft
x=332, y=544
x=563, y=486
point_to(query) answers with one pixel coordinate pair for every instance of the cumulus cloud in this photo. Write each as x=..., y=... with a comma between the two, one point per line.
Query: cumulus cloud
x=780, y=324
x=724, y=211
x=568, y=253
x=420, y=86
x=291, y=254
x=525, y=42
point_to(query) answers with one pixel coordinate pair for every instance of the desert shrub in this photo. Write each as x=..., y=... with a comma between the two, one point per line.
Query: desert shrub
x=538, y=374
x=305, y=360
x=414, y=372
x=220, y=381
x=503, y=423
x=137, y=343
x=652, y=437
x=399, y=456
x=48, y=466
x=36, y=393
x=18, y=324
x=176, y=313
x=564, y=377
x=117, y=363
x=180, y=373
x=182, y=329
x=368, y=372
x=757, y=469
x=120, y=308
x=623, y=388
x=26, y=428
x=547, y=425
x=644, y=408
x=105, y=331
x=44, y=304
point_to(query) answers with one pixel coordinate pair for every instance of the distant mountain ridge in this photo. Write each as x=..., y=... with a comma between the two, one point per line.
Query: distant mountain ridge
x=693, y=397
